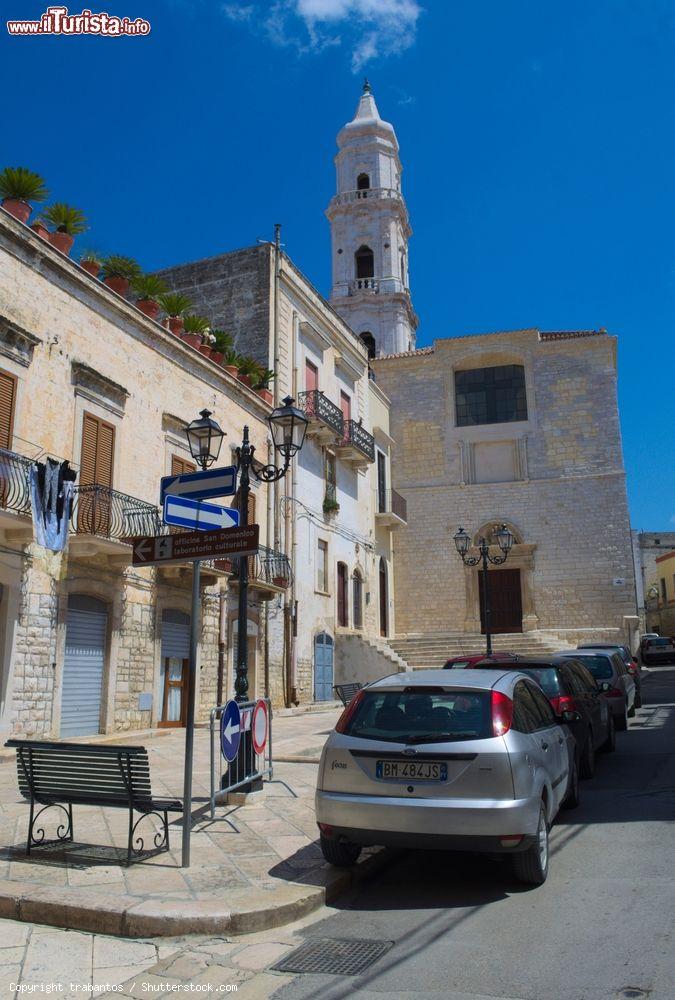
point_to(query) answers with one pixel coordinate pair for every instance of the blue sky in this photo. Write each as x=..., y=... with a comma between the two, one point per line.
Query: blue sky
x=538, y=141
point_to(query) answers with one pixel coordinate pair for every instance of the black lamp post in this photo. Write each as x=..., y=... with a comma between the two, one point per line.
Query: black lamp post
x=205, y=437
x=463, y=544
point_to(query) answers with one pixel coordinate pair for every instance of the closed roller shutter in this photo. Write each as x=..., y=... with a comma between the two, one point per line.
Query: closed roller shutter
x=86, y=630
x=175, y=635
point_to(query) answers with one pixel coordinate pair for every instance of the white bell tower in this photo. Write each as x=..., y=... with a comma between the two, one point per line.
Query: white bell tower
x=370, y=232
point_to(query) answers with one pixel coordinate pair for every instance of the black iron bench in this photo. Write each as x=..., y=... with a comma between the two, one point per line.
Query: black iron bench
x=67, y=774
x=346, y=692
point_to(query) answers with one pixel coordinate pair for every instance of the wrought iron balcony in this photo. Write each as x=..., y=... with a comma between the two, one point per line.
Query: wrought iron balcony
x=358, y=285
x=103, y=512
x=269, y=571
x=392, y=508
x=357, y=445
x=14, y=482
x=325, y=418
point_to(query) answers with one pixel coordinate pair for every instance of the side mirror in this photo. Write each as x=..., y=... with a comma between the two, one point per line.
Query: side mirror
x=569, y=716
x=604, y=686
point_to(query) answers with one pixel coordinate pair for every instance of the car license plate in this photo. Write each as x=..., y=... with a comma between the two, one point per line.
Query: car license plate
x=405, y=770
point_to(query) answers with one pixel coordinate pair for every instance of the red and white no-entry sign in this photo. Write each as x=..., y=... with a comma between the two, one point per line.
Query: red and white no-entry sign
x=259, y=726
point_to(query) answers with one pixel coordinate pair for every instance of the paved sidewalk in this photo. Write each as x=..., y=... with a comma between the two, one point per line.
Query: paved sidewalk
x=254, y=866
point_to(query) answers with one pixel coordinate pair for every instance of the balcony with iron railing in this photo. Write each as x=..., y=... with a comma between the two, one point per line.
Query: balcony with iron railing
x=392, y=509
x=100, y=514
x=269, y=572
x=357, y=445
x=326, y=422
x=14, y=485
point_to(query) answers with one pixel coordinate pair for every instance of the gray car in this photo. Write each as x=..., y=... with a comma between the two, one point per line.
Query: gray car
x=473, y=760
x=613, y=678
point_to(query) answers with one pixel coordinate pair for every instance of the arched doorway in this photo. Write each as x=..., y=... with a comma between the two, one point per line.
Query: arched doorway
x=365, y=262
x=510, y=584
x=83, y=666
x=369, y=341
x=323, y=667
x=174, y=671
x=362, y=182
x=384, y=598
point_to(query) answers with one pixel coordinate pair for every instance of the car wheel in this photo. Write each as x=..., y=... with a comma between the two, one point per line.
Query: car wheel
x=609, y=746
x=631, y=711
x=587, y=767
x=638, y=700
x=621, y=723
x=571, y=800
x=531, y=866
x=340, y=853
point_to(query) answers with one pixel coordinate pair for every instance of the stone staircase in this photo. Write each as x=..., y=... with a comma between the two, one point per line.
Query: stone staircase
x=430, y=651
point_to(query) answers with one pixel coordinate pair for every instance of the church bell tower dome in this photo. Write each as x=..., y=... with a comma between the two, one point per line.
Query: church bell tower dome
x=370, y=232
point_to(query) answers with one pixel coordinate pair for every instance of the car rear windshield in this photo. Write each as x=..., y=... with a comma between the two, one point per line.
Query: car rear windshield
x=422, y=716
x=599, y=666
x=457, y=664
x=546, y=677
x=659, y=642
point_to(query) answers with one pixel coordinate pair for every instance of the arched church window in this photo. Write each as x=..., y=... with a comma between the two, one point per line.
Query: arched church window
x=365, y=262
x=369, y=341
x=362, y=182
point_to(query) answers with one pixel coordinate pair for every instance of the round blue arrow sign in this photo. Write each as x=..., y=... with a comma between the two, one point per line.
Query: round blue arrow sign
x=230, y=726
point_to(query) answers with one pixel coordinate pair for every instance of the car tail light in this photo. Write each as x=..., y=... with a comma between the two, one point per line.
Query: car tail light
x=511, y=841
x=326, y=830
x=632, y=668
x=346, y=717
x=614, y=693
x=562, y=703
x=502, y=713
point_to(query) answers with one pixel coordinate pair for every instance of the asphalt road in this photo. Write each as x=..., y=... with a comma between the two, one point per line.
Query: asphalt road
x=600, y=928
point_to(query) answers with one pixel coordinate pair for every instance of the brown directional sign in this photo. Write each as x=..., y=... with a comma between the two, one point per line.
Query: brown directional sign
x=195, y=545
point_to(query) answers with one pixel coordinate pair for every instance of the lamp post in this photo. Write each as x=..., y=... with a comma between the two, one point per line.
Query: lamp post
x=463, y=544
x=205, y=437
x=288, y=426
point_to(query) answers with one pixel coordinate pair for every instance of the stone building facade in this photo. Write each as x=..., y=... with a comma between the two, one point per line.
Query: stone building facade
x=86, y=638
x=648, y=548
x=519, y=428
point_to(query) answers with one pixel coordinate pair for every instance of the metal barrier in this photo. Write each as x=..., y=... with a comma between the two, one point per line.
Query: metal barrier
x=262, y=762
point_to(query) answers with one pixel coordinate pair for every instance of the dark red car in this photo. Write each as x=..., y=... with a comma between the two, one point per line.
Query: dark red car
x=467, y=662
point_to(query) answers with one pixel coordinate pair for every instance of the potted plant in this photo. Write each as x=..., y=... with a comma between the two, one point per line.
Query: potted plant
x=249, y=371
x=90, y=261
x=221, y=342
x=231, y=361
x=38, y=226
x=118, y=272
x=262, y=384
x=18, y=186
x=69, y=222
x=330, y=505
x=206, y=346
x=149, y=289
x=175, y=306
x=195, y=327
x=280, y=581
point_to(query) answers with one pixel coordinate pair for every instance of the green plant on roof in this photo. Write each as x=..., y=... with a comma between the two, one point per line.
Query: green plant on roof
x=248, y=366
x=93, y=255
x=116, y=266
x=22, y=184
x=222, y=339
x=196, y=324
x=265, y=376
x=66, y=218
x=231, y=358
x=174, y=304
x=148, y=287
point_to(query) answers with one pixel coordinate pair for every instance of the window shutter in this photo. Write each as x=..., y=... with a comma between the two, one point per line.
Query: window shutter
x=104, y=454
x=98, y=448
x=180, y=466
x=88, y=455
x=7, y=399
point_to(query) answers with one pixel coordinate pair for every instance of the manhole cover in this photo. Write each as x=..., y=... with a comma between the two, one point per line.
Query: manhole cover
x=333, y=956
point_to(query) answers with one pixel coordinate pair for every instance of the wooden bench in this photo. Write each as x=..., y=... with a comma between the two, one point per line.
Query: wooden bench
x=346, y=692
x=62, y=775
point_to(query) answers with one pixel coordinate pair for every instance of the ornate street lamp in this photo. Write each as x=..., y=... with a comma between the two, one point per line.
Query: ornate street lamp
x=205, y=437
x=463, y=544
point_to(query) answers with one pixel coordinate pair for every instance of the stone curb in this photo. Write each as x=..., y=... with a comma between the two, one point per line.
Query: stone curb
x=129, y=916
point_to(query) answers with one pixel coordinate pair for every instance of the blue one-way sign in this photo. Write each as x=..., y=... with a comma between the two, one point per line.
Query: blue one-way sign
x=198, y=515
x=201, y=485
x=230, y=726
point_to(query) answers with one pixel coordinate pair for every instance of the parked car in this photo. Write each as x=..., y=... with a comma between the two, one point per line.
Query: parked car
x=476, y=761
x=658, y=650
x=467, y=662
x=569, y=686
x=632, y=664
x=613, y=679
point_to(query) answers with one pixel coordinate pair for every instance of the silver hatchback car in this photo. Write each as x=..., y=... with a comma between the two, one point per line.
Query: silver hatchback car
x=476, y=761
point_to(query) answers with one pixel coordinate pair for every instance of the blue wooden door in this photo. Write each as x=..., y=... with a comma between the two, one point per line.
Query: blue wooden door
x=323, y=667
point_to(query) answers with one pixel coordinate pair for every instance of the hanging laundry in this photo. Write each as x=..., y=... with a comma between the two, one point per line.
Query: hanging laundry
x=51, y=487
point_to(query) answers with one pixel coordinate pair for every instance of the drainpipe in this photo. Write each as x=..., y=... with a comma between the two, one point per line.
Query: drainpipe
x=270, y=514
x=276, y=362
x=294, y=541
x=222, y=645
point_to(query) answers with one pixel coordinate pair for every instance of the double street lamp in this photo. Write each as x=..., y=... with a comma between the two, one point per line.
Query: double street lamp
x=463, y=544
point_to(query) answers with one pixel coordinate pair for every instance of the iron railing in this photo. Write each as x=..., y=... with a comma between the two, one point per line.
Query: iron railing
x=317, y=406
x=101, y=511
x=14, y=482
x=389, y=501
x=357, y=436
x=266, y=566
